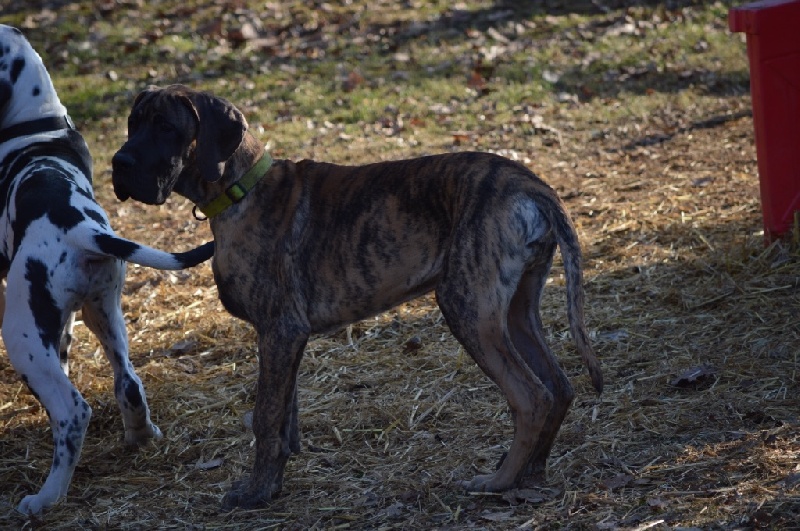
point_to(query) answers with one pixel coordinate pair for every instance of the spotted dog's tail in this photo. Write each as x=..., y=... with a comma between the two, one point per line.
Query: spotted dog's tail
x=567, y=240
x=109, y=244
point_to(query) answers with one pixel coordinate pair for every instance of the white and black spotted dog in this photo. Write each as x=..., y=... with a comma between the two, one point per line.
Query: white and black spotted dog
x=59, y=254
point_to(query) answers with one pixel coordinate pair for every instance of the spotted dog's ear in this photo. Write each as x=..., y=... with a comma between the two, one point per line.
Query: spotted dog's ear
x=220, y=130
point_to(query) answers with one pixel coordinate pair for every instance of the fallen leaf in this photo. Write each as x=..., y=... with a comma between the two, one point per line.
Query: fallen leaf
x=617, y=482
x=395, y=510
x=353, y=81
x=497, y=517
x=702, y=181
x=476, y=81
x=614, y=335
x=515, y=496
x=550, y=76
x=245, y=33
x=212, y=29
x=460, y=137
x=496, y=35
x=207, y=465
x=247, y=420
x=657, y=502
x=791, y=480
x=694, y=376
x=183, y=346
x=413, y=343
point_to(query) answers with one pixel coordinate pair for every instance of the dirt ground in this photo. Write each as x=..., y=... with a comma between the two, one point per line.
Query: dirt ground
x=694, y=318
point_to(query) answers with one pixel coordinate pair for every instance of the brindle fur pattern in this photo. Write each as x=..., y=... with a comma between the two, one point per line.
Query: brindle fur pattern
x=316, y=246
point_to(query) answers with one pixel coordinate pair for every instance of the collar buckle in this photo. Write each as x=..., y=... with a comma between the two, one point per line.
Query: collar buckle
x=236, y=192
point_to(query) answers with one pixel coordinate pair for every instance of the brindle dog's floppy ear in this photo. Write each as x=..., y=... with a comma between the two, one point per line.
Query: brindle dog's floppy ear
x=221, y=128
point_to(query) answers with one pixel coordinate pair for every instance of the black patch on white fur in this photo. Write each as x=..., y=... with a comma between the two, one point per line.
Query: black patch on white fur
x=16, y=69
x=42, y=194
x=45, y=191
x=196, y=256
x=95, y=216
x=46, y=312
x=6, y=90
x=116, y=246
x=132, y=394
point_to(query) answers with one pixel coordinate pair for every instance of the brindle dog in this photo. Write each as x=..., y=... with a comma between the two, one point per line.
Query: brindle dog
x=306, y=248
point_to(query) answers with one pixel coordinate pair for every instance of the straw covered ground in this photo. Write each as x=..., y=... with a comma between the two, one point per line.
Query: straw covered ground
x=637, y=113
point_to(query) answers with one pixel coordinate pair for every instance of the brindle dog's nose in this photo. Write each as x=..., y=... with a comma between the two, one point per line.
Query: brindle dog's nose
x=122, y=161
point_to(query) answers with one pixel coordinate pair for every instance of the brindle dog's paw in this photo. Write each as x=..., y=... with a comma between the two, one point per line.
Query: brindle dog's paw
x=246, y=496
x=485, y=483
x=535, y=473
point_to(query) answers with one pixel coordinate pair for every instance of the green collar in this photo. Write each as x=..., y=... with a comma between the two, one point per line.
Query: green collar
x=236, y=192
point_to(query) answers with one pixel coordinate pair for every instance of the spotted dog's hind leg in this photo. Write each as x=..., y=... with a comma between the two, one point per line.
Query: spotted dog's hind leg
x=102, y=314
x=30, y=336
x=66, y=343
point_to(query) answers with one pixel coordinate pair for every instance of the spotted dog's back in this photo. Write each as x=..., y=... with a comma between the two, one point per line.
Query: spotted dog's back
x=51, y=179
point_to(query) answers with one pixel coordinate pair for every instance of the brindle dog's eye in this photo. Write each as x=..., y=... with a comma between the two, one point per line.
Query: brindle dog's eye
x=164, y=126
x=168, y=127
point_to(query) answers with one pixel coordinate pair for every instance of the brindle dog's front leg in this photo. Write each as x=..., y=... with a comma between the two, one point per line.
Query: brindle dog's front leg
x=291, y=433
x=274, y=416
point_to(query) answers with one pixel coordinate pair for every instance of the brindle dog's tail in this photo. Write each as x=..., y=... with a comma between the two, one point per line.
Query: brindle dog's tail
x=567, y=240
x=109, y=244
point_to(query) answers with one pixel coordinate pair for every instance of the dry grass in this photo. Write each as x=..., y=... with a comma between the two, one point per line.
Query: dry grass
x=677, y=279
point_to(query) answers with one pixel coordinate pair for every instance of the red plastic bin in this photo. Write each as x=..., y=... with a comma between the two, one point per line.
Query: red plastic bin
x=773, y=49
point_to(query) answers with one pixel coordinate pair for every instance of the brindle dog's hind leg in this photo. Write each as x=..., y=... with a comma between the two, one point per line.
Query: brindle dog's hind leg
x=476, y=314
x=527, y=333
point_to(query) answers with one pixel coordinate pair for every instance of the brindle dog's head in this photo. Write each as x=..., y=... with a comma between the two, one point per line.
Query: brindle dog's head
x=173, y=132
